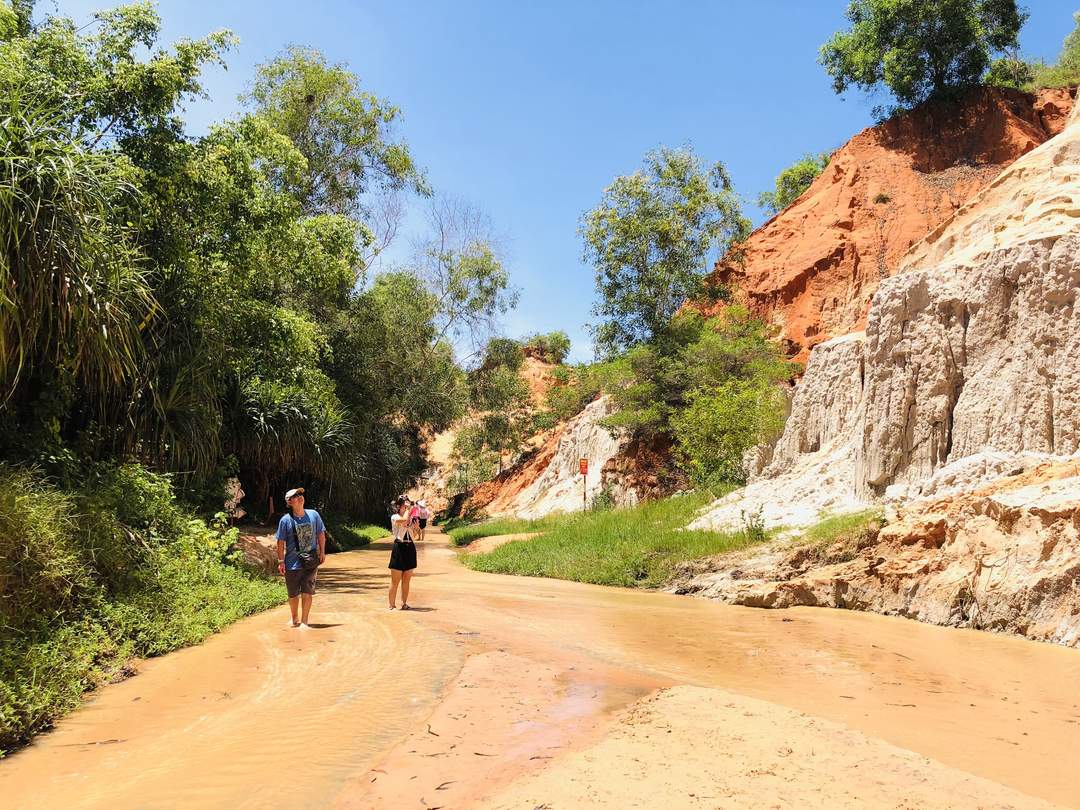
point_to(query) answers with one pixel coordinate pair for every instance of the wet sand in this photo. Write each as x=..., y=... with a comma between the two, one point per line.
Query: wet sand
x=496, y=682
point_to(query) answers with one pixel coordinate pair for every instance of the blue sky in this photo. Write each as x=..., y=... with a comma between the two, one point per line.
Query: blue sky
x=529, y=109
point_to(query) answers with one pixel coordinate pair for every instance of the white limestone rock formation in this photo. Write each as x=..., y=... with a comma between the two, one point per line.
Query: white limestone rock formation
x=559, y=488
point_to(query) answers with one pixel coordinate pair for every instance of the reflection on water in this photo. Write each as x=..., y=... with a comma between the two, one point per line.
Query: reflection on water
x=266, y=716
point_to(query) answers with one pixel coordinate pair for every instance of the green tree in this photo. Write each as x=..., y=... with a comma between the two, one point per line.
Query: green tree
x=720, y=423
x=502, y=406
x=343, y=131
x=650, y=241
x=73, y=293
x=656, y=379
x=920, y=49
x=460, y=262
x=551, y=347
x=207, y=316
x=793, y=181
x=1066, y=70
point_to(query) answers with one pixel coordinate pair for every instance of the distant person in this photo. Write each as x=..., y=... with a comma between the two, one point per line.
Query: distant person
x=423, y=516
x=301, y=549
x=403, y=556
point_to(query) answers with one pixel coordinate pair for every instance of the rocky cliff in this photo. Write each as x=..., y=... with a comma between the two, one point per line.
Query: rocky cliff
x=813, y=268
x=549, y=479
x=957, y=411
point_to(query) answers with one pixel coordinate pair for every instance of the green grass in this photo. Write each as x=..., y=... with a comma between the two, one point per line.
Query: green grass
x=462, y=535
x=627, y=547
x=838, y=527
x=355, y=535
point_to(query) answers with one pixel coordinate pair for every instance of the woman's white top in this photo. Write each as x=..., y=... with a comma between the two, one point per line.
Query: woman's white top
x=399, y=524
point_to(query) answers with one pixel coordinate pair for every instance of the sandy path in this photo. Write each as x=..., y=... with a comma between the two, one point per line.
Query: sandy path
x=499, y=681
x=485, y=544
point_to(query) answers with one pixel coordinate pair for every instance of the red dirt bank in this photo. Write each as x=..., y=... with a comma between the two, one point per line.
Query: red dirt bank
x=813, y=268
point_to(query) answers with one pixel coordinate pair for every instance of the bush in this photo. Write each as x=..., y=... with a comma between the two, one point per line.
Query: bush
x=602, y=501
x=721, y=423
x=551, y=348
x=793, y=181
x=1011, y=71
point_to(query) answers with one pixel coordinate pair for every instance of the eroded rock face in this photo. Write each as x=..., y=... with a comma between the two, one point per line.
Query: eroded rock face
x=976, y=343
x=1003, y=557
x=549, y=480
x=964, y=416
x=813, y=268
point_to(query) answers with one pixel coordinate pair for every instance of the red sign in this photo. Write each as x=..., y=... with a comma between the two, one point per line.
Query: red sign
x=583, y=465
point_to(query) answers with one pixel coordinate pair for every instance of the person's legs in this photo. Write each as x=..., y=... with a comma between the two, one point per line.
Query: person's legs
x=292, y=587
x=406, y=578
x=305, y=604
x=395, y=580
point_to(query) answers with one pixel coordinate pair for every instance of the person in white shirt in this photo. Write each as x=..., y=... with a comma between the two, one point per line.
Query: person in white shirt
x=403, y=555
x=424, y=515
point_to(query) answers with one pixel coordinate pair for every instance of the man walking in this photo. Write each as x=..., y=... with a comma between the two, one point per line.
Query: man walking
x=301, y=549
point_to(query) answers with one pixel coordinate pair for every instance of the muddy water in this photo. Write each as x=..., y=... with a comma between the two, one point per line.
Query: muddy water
x=260, y=716
x=265, y=716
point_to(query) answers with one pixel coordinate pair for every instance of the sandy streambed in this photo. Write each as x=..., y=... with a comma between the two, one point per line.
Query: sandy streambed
x=499, y=690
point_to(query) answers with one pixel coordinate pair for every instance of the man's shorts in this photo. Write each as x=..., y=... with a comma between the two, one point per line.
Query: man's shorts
x=300, y=581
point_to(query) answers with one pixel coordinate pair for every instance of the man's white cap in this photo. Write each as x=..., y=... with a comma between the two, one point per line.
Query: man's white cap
x=291, y=492
x=421, y=503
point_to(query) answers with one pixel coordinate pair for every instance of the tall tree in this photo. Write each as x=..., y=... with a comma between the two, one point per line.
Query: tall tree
x=460, y=260
x=651, y=240
x=343, y=131
x=920, y=49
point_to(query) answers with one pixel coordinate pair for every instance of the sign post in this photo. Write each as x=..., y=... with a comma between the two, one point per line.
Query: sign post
x=583, y=465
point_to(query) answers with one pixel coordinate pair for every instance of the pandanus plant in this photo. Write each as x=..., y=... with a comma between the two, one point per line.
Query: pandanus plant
x=73, y=295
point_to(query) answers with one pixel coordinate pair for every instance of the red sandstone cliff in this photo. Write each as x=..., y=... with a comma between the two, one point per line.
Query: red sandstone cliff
x=813, y=268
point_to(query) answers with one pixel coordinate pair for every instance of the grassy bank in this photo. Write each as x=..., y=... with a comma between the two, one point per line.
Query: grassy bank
x=628, y=547
x=94, y=575
x=462, y=535
x=349, y=534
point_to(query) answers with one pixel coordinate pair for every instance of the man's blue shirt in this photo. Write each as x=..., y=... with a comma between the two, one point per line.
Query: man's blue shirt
x=308, y=529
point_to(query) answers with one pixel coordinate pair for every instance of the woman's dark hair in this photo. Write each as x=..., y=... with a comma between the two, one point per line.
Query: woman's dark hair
x=399, y=502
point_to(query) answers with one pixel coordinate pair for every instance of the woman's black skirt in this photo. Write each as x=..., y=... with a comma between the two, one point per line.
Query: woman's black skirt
x=403, y=557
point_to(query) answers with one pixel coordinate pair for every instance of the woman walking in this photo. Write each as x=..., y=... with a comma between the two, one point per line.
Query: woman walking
x=423, y=516
x=403, y=557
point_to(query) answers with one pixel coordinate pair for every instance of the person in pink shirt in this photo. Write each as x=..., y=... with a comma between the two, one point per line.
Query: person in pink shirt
x=423, y=516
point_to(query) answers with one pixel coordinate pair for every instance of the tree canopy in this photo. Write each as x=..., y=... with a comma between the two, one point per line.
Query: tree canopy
x=202, y=304
x=650, y=241
x=920, y=49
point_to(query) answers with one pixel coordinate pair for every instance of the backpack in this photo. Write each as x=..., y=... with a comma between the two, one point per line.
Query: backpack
x=309, y=557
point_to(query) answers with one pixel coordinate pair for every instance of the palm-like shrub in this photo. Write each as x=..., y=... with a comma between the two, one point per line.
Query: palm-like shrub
x=73, y=296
